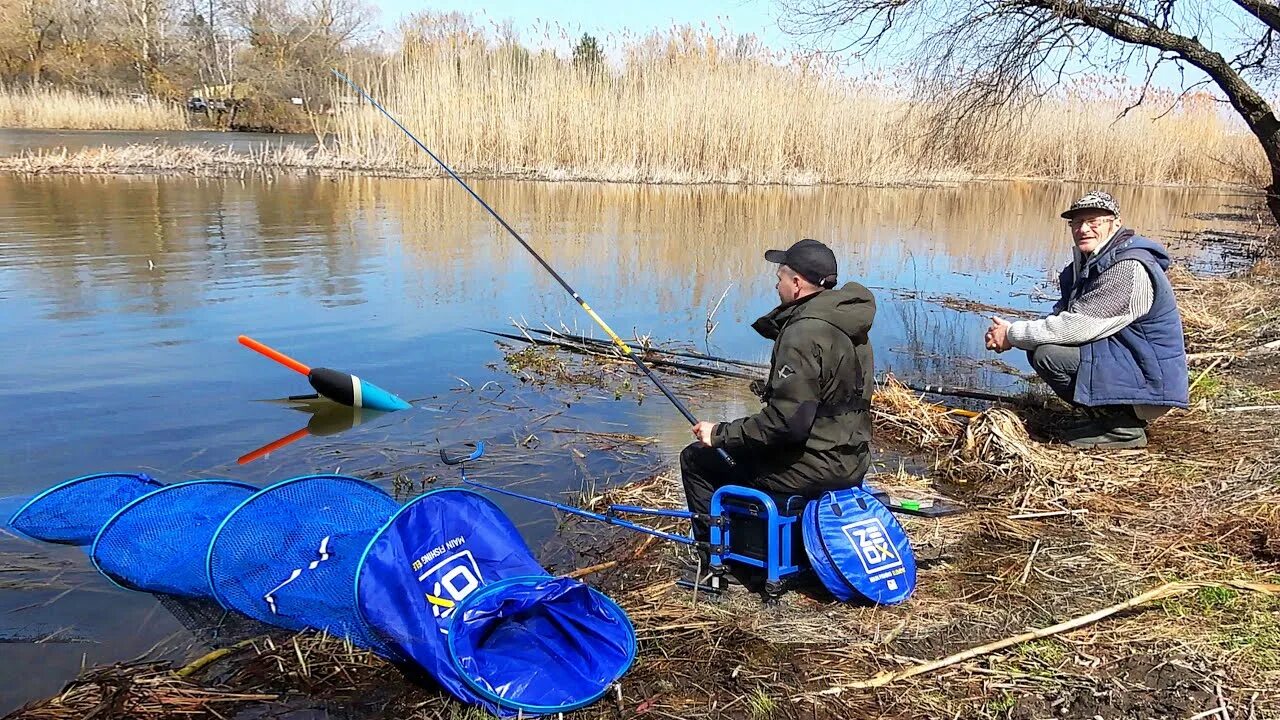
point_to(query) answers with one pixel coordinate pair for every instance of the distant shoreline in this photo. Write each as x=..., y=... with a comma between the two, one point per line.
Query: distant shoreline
x=203, y=161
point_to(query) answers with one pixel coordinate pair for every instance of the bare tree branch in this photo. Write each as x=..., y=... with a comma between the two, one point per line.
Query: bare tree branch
x=980, y=56
x=1263, y=10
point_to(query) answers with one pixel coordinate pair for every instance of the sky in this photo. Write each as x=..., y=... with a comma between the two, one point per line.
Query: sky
x=600, y=18
x=758, y=17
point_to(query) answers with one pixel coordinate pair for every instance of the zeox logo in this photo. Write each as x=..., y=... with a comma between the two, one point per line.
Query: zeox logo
x=449, y=581
x=879, y=558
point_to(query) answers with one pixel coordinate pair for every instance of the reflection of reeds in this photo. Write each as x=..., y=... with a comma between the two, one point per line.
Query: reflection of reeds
x=49, y=108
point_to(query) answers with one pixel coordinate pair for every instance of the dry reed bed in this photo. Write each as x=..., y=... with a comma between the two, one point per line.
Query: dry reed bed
x=164, y=159
x=69, y=110
x=692, y=107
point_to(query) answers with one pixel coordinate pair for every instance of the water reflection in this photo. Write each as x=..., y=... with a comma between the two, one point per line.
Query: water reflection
x=327, y=418
x=165, y=244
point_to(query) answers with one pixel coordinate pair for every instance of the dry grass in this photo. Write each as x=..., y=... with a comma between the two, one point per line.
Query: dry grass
x=1068, y=534
x=1229, y=314
x=65, y=109
x=140, y=691
x=163, y=159
x=688, y=106
x=907, y=417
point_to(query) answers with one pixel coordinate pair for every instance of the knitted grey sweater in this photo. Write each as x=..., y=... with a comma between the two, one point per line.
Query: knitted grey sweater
x=1121, y=294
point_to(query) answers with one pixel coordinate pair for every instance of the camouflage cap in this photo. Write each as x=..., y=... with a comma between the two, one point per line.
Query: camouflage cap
x=1093, y=200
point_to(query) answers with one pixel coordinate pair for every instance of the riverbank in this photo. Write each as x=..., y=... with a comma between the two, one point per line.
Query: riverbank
x=1168, y=558
x=66, y=109
x=212, y=160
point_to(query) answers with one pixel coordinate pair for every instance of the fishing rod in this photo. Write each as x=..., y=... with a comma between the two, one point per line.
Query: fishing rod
x=569, y=338
x=592, y=350
x=609, y=518
x=622, y=345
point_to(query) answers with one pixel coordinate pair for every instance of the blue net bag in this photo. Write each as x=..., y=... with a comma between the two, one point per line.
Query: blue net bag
x=159, y=542
x=74, y=511
x=540, y=645
x=565, y=643
x=288, y=554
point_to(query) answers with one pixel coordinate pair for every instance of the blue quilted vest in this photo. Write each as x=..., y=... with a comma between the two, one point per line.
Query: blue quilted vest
x=1146, y=362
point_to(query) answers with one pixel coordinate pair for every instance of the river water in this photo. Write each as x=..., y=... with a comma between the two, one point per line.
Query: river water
x=121, y=299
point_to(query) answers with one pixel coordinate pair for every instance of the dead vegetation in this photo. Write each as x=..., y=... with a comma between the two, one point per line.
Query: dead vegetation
x=1168, y=554
x=1229, y=314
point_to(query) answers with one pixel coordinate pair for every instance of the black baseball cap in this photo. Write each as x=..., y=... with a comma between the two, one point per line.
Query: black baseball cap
x=812, y=260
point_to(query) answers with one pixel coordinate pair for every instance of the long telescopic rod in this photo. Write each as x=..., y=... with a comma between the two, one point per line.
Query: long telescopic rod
x=626, y=349
x=599, y=517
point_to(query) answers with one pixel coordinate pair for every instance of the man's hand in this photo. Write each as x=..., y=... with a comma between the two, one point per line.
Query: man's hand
x=702, y=431
x=998, y=335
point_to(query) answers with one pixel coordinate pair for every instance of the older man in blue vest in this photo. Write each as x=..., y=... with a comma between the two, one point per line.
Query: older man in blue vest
x=1114, y=343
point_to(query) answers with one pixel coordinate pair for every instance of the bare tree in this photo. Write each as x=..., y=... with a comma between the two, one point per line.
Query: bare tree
x=30, y=32
x=211, y=43
x=145, y=31
x=996, y=53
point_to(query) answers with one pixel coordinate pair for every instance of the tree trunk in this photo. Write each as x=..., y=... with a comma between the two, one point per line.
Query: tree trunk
x=1273, y=192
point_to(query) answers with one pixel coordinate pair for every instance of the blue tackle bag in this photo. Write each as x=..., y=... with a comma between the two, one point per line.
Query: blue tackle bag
x=858, y=549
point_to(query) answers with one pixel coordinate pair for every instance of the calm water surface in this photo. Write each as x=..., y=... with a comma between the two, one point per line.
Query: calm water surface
x=121, y=299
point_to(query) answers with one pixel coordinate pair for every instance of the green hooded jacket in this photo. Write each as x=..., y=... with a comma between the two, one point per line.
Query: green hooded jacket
x=814, y=431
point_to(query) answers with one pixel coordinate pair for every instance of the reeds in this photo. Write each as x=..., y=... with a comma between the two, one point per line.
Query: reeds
x=67, y=109
x=163, y=159
x=146, y=692
x=688, y=106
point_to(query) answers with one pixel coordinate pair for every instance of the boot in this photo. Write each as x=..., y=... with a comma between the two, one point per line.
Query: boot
x=1118, y=428
x=1088, y=418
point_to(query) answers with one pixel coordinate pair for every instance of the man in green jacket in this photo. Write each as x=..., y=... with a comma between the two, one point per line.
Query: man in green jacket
x=814, y=432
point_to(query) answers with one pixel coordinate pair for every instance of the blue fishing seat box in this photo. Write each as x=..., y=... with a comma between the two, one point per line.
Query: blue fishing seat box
x=762, y=532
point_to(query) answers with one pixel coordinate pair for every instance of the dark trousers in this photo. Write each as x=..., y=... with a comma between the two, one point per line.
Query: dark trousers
x=1058, y=366
x=703, y=472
